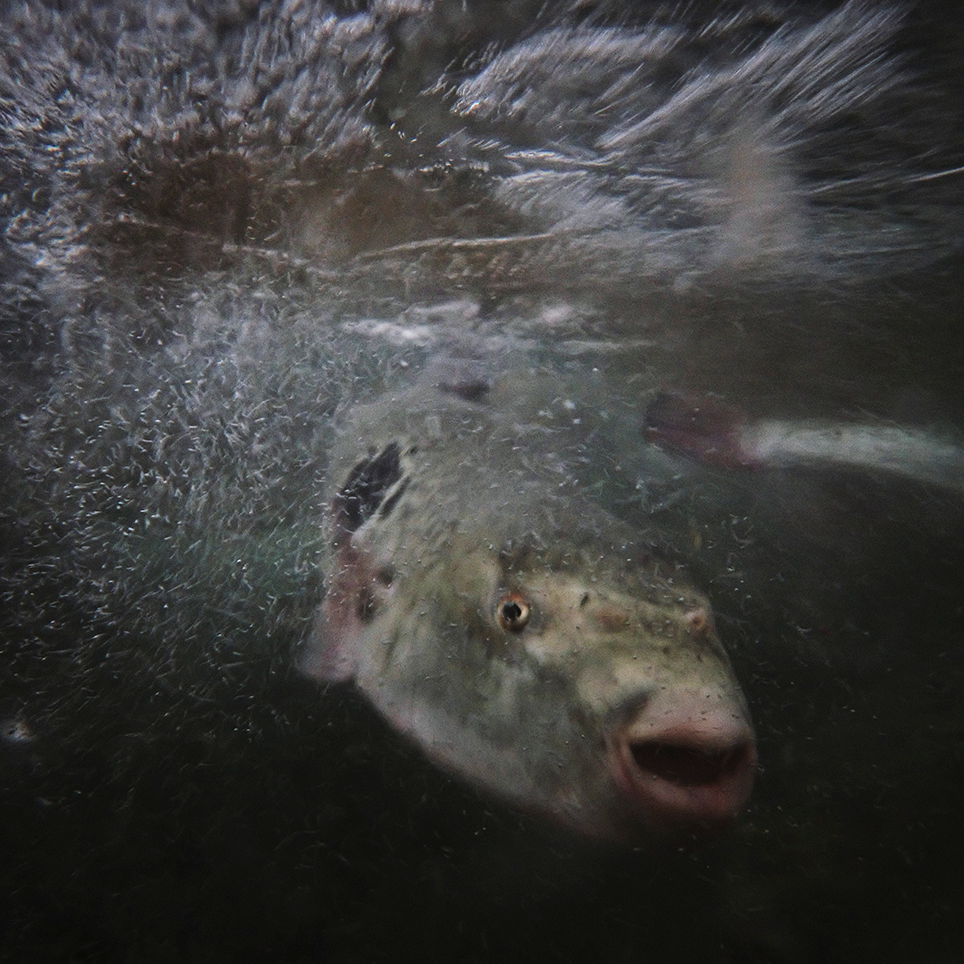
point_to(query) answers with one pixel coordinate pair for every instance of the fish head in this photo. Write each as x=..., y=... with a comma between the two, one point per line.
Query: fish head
x=589, y=687
x=670, y=745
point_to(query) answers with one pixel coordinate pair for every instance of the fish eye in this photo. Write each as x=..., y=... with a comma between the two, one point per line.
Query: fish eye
x=512, y=612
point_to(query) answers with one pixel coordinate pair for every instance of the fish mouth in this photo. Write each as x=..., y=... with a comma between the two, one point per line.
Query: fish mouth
x=685, y=761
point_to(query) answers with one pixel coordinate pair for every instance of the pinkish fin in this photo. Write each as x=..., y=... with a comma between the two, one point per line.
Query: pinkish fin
x=332, y=653
x=329, y=656
x=704, y=429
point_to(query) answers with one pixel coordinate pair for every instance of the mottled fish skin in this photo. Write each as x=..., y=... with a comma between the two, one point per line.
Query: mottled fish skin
x=526, y=639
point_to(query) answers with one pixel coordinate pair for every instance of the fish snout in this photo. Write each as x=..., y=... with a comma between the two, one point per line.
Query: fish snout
x=685, y=761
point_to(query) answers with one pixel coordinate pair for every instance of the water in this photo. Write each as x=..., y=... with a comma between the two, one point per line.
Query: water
x=182, y=341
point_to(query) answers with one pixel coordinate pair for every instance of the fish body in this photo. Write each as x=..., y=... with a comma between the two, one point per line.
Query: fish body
x=525, y=638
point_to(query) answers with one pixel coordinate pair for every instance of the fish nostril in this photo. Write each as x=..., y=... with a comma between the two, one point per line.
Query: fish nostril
x=687, y=766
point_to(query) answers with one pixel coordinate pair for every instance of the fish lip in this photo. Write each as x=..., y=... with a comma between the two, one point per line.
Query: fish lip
x=684, y=768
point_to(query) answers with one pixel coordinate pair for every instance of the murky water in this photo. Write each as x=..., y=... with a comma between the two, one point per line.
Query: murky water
x=192, y=309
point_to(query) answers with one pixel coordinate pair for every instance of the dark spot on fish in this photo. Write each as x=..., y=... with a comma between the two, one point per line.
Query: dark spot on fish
x=461, y=377
x=471, y=391
x=366, y=487
x=512, y=613
x=612, y=619
x=365, y=604
x=366, y=596
x=385, y=575
x=392, y=500
x=585, y=600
